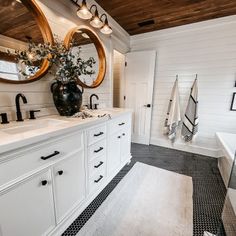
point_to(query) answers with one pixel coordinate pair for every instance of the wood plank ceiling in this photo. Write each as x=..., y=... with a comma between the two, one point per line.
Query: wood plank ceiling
x=164, y=13
x=17, y=22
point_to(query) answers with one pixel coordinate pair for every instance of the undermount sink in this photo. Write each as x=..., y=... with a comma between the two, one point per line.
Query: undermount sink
x=27, y=126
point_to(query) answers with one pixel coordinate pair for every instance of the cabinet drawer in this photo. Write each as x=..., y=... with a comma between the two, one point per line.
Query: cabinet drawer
x=119, y=123
x=96, y=165
x=96, y=180
x=20, y=163
x=95, y=134
x=97, y=149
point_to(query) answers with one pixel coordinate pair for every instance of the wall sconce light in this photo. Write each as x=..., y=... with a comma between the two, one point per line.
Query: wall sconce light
x=106, y=28
x=85, y=13
x=95, y=21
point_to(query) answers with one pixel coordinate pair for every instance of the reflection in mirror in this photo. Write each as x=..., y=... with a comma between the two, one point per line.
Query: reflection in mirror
x=84, y=40
x=83, y=44
x=18, y=28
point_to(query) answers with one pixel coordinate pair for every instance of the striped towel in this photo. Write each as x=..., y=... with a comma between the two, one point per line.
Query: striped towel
x=190, y=123
x=173, y=118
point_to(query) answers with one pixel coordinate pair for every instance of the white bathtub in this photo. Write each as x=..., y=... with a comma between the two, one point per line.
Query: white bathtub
x=227, y=144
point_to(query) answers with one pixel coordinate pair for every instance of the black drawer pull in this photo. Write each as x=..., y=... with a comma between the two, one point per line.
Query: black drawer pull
x=119, y=137
x=101, y=162
x=123, y=134
x=44, y=182
x=51, y=155
x=96, y=135
x=60, y=172
x=121, y=124
x=97, y=180
x=99, y=150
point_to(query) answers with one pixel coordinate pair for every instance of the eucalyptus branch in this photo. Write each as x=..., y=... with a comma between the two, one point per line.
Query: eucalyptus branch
x=69, y=65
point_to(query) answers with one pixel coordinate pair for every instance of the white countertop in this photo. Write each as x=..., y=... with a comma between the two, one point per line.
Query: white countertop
x=228, y=141
x=9, y=142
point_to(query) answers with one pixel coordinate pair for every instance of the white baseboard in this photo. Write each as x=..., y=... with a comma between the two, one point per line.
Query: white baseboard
x=186, y=147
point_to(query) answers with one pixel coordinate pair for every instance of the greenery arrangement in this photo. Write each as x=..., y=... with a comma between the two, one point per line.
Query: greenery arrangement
x=68, y=66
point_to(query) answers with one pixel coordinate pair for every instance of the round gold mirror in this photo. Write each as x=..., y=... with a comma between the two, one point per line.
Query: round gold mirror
x=22, y=22
x=88, y=44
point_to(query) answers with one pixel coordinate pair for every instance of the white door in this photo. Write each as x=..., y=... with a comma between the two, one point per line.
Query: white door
x=139, y=82
x=69, y=176
x=27, y=209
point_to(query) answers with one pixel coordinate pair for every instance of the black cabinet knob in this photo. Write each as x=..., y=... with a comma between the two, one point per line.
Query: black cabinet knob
x=148, y=105
x=44, y=182
x=119, y=137
x=60, y=172
x=123, y=134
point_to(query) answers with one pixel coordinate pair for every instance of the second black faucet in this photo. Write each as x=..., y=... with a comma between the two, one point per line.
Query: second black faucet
x=91, y=101
x=18, y=110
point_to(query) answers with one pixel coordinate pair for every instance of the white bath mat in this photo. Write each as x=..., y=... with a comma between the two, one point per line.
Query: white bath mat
x=148, y=201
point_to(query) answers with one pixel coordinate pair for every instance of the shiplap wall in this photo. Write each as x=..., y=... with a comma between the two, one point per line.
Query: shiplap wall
x=209, y=50
x=61, y=15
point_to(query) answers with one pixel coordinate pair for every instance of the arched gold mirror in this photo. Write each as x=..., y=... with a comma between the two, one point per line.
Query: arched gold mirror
x=89, y=45
x=21, y=22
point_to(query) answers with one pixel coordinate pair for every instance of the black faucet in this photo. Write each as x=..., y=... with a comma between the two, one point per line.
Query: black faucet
x=91, y=101
x=18, y=111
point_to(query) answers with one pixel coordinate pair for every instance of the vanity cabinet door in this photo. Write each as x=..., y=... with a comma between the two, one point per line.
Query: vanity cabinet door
x=113, y=157
x=125, y=144
x=69, y=182
x=27, y=209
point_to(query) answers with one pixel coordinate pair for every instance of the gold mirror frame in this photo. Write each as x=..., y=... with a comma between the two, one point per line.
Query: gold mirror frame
x=100, y=51
x=46, y=32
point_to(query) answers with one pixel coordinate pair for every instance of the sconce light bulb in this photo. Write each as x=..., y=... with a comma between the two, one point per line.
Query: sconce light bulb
x=96, y=22
x=106, y=29
x=83, y=12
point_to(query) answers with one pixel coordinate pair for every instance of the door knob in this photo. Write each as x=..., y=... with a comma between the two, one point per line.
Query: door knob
x=148, y=105
x=44, y=182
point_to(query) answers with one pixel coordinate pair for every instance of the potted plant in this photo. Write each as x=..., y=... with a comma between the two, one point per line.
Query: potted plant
x=66, y=67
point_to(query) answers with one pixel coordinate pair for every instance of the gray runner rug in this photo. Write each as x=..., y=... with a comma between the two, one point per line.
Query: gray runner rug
x=148, y=201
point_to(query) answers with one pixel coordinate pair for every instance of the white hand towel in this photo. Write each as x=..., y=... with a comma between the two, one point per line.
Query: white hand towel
x=173, y=118
x=190, y=123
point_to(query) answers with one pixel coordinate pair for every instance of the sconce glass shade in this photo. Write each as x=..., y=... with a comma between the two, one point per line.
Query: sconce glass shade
x=96, y=22
x=106, y=29
x=83, y=12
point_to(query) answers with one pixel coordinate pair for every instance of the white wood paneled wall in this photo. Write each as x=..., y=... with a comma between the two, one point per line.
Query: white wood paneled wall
x=209, y=50
x=61, y=16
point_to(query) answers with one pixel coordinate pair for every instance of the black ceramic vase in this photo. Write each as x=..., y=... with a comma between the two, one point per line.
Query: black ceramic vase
x=67, y=97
